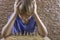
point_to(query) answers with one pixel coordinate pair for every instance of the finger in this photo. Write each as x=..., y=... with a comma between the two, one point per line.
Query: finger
x=16, y=1
x=19, y=3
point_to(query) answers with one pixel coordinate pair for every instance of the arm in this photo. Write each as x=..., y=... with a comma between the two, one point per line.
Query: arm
x=41, y=27
x=6, y=30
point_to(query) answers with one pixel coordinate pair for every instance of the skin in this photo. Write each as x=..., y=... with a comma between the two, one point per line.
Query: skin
x=6, y=30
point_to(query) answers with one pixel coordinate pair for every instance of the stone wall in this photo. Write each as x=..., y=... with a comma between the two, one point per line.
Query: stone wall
x=48, y=10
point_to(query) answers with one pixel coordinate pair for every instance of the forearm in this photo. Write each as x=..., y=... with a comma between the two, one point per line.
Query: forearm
x=41, y=27
x=6, y=30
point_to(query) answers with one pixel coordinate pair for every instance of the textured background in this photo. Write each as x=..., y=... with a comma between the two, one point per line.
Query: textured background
x=48, y=10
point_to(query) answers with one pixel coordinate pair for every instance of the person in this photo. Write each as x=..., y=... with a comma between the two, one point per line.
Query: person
x=24, y=19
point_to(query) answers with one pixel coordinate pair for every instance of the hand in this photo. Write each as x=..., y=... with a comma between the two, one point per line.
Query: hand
x=16, y=5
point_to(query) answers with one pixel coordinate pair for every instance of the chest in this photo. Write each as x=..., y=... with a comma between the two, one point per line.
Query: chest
x=25, y=17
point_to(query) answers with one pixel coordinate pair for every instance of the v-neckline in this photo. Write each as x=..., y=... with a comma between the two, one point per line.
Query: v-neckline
x=22, y=19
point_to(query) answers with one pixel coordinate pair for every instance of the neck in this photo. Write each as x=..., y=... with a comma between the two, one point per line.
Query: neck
x=25, y=18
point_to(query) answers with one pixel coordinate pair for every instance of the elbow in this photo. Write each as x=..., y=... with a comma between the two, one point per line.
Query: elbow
x=3, y=33
x=45, y=33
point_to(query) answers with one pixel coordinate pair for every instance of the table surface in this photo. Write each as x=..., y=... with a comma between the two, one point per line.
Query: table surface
x=24, y=38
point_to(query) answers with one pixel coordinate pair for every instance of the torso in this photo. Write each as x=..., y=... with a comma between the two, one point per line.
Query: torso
x=19, y=26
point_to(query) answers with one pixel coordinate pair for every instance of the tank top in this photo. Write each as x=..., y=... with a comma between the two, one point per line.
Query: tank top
x=20, y=27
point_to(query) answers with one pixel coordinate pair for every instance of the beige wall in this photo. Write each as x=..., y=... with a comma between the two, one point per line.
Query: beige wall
x=48, y=10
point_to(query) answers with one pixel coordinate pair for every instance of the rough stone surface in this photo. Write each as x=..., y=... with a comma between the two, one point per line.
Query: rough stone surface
x=48, y=10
